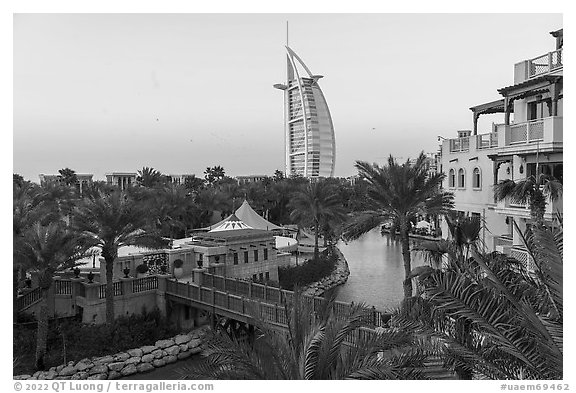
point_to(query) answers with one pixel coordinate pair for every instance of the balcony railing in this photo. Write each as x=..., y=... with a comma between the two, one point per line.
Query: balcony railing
x=532, y=131
x=459, y=144
x=547, y=131
x=544, y=64
x=487, y=141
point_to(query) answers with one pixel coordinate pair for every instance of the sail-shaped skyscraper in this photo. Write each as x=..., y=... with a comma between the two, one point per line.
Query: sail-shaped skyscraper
x=309, y=133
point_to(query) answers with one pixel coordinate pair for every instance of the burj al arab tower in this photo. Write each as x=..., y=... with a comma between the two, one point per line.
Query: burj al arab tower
x=310, y=144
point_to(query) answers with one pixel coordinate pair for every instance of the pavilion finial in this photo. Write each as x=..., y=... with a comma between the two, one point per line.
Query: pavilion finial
x=286, y=33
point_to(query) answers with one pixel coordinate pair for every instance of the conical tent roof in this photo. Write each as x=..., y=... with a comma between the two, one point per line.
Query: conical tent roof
x=253, y=219
x=230, y=223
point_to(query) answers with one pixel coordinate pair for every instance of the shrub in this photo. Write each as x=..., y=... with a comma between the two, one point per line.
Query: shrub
x=141, y=268
x=307, y=273
x=178, y=263
x=84, y=340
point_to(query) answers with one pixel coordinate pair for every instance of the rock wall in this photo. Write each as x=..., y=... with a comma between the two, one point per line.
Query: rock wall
x=338, y=277
x=132, y=361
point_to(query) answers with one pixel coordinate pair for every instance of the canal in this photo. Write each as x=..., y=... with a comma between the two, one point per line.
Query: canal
x=376, y=271
x=376, y=274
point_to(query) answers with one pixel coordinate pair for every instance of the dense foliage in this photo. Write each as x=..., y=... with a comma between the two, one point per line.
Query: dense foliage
x=310, y=271
x=71, y=340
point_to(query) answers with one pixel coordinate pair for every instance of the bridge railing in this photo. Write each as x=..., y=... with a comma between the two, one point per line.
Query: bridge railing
x=242, y=296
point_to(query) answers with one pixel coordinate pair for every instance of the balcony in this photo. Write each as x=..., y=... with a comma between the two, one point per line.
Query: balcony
x=458, y=145
x=474, y=142
x=545, y=64
x=548, y=63
x=544, y=134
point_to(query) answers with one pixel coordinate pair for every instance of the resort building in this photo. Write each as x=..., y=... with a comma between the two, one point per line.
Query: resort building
x=250, y=179
x=121, y=179
x=527, y=142
x=179, y=179
x=83, y=180
x=309, y=132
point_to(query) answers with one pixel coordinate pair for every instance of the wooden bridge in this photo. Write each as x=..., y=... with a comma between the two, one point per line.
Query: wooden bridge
x=238, y=300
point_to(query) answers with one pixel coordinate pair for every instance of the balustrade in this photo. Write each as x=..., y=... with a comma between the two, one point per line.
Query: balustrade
x=546, y=63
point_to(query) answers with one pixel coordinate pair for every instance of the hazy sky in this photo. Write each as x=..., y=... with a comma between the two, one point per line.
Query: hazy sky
x=180, y=92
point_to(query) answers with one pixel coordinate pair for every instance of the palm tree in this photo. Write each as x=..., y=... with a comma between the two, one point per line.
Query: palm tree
x=514, y=316
x=398, y=193
x=313, y=347
x=29, y=207
x=314, y=205
x=111, y=221
x=534, y=190
x=149, y=177
x=49, y=248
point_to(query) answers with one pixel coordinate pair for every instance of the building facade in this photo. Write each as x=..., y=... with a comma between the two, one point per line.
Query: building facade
x=309, y=132
x=121, y=179
x=82, y=180
x=529, y=141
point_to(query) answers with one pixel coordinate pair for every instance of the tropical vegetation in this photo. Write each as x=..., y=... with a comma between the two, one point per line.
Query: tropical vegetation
x=495, y=317
x=313, y=347
x=398, y=194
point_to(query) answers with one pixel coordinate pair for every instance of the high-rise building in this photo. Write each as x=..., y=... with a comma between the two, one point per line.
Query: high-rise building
x=309, y=133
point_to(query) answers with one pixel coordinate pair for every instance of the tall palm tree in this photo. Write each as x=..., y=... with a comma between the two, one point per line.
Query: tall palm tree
x=49, y=248
x=29, y=207
x=514, y=316
x=398, y=193
x=534, y=190
x=315, y=204
x=149, y=177
x=313, y=347
x=111, y=221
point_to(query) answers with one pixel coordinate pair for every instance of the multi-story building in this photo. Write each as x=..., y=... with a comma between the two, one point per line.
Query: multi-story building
x=531, y=142
x=179, y=179
x=309, y=132
x=250, y=179
x=82, y=180
x=121, y=179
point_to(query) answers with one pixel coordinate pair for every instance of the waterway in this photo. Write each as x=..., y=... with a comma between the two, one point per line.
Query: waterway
x=376, y=275
x=376, y=271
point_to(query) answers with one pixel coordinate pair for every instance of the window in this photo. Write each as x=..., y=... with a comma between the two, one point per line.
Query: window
x=235, y=258
x=261, y=276
x=245, y=256
x=254, y=277
x=461, y=178
x=265, y=254
x=267, y=276
x=451, y=178
x=255, y=255
x=476, y=180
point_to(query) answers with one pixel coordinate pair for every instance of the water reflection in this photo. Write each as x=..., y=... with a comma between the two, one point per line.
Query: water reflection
x=376, y=270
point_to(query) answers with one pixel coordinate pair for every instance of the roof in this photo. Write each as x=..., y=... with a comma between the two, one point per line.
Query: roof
x=235, y=234
x=253, y=219
x=249, y=217
x=530, y=82
x=231, y=223
x=489, y=107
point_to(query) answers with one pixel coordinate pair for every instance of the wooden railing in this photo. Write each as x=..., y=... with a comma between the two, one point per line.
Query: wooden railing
x=531, y=131
x=546, y=63
x=245, y=298
x=486, y=141
x=459, y=144
x=28, y=299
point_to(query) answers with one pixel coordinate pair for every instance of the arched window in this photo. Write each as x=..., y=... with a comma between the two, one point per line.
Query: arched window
x=461, y=178
x=476, y=179
x=451, y=178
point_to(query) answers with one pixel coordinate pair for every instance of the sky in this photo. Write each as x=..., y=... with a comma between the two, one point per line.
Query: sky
x=100, y=93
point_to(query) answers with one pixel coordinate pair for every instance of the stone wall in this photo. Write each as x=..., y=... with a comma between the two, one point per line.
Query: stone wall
x=132, y=361
x=337, y=277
